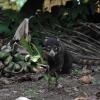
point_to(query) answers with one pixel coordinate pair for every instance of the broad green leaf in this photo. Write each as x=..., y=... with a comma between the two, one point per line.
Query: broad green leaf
x=35, y=58
x=4, y=28
x=26, y=45
x=20, y=3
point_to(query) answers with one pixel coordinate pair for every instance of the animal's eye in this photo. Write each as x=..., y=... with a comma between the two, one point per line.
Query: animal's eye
x=55, y=48
x=48, y=48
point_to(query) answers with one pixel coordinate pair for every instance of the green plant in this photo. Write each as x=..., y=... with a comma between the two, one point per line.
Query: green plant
x=79, y=11
x=10, y=22
x=76, y=72
x=51, y=79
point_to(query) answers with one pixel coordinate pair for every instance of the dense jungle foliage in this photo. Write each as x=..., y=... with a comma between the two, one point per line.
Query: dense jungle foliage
x=12, y=13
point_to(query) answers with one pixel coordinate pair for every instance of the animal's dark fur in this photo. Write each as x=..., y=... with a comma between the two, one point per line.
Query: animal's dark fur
x=62, y=60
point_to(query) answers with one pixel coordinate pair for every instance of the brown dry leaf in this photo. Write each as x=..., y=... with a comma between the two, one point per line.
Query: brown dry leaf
x=39, y=69
x=86, y=98
x=86, y=79
x=81, y=98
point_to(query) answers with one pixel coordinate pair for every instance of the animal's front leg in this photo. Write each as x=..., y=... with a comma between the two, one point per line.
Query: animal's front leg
x=53, y=78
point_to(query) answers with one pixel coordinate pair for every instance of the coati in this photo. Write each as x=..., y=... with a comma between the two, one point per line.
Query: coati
x=59, y=59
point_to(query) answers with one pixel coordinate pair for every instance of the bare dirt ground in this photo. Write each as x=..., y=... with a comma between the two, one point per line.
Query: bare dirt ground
x=69, y=88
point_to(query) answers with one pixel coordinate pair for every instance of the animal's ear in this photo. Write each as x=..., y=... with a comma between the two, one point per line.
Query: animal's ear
x=58, y=39
x=46, y=39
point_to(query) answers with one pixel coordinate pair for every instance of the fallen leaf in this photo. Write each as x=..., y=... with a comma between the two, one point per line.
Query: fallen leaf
x=81, y=98
x=39, y=69
x=87, y=79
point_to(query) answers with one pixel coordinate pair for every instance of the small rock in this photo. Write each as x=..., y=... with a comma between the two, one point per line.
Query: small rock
x=22, y=98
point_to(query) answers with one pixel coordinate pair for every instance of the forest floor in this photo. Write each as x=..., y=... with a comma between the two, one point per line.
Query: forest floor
x=69, y=88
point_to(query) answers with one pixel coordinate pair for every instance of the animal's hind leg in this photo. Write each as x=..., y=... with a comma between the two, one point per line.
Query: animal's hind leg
x=67, y=66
